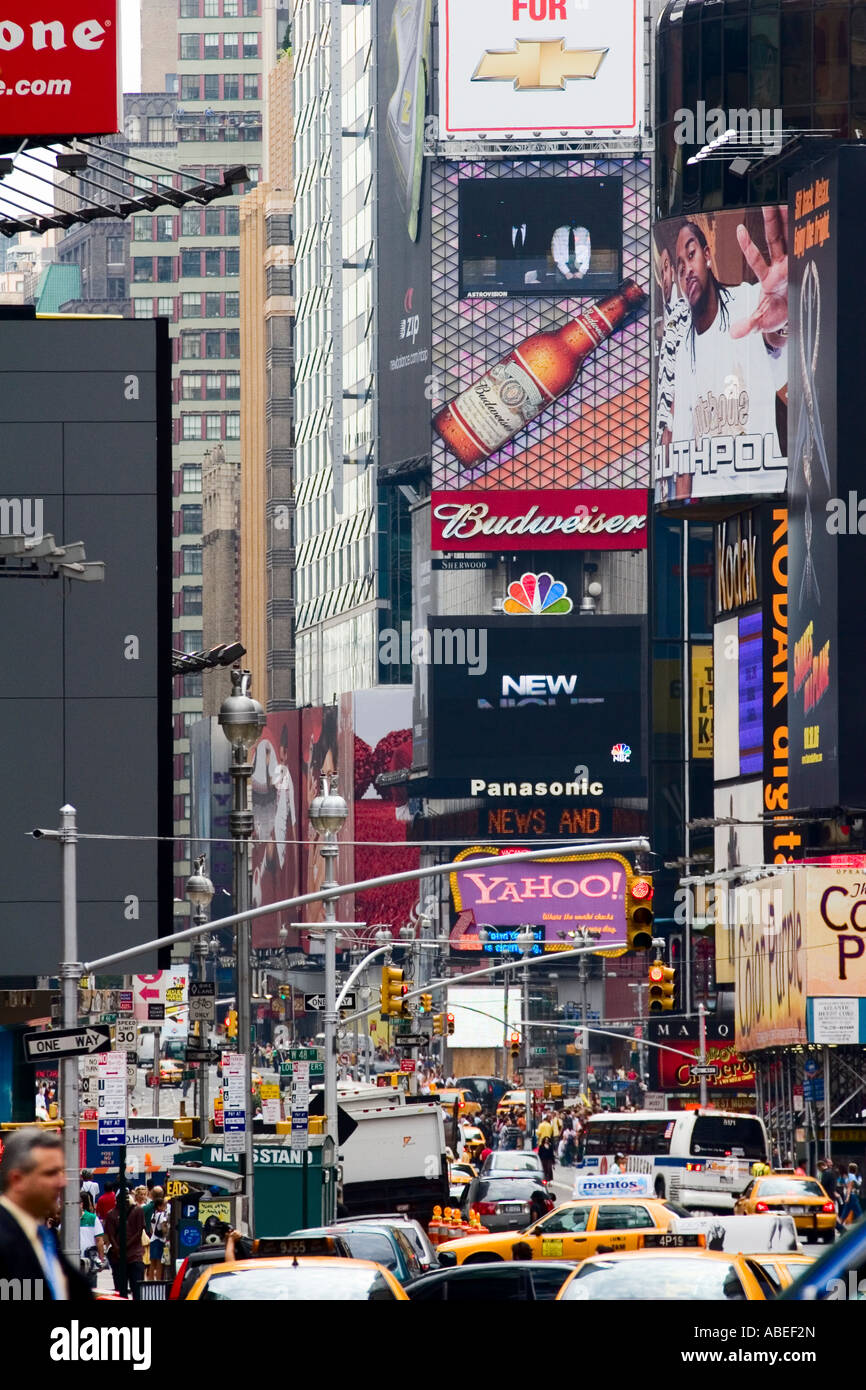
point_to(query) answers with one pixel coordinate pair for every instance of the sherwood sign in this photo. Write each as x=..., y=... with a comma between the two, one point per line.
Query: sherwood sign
x=607, y=519
x=60, y=76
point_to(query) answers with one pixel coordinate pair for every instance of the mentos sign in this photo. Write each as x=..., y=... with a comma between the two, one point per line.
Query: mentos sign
x=622, y=1185
x=59, y=76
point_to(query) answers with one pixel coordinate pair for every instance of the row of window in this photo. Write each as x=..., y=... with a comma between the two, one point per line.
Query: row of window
x=195, y=264
x=210, y=305
x=217, y=386
x=193, y=222
x=155, y=308
x=225, y=130
x=213, y=173
x=225, y=425
x=150, y=130
x=211, y=344
x=195, y=47
x=219, y=9
x=220, y=86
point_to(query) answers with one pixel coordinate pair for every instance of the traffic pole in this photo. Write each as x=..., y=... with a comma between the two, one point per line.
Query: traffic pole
x=122, y=1223
x=70, y=974
x=702, y=1027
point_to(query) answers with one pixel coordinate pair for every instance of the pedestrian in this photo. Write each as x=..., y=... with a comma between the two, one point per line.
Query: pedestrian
x=544, y=1130
x=88, y=1184
x=156, y=1230
x=547, y=1156
x=32, y=1179
x=134, y=1260
x=851, y=1209
x=91, y=1238
x=107, y=1201
x=510, y=1136
x=618, y=1165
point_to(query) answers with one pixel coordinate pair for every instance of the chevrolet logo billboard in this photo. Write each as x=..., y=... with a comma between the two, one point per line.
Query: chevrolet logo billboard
x=539, y=67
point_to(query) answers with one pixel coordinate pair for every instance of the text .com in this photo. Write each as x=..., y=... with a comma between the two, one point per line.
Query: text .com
x=37, y=87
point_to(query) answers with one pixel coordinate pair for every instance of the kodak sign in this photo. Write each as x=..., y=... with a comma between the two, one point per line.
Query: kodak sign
x=59, y=68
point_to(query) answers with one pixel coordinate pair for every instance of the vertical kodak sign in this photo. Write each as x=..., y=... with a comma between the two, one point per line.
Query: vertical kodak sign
x=782, y=841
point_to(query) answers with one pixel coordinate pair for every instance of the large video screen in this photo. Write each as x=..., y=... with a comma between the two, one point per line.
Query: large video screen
x=544, y=237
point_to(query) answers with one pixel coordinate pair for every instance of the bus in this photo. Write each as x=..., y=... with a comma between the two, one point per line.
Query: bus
x=699, y=1158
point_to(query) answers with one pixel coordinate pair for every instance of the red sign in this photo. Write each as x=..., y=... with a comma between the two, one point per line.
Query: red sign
x=59, y=68
x=564, y=519
x=674, y=1071
x=407, y=1064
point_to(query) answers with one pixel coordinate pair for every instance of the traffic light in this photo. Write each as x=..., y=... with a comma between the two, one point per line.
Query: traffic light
x=232, y=1023
x=450, y=1020
x=640, y=914
x=515, y=1046
x=426, y=1003
x=392, y=992
x=662, y=983
x=438, y=1025
x=285, y=991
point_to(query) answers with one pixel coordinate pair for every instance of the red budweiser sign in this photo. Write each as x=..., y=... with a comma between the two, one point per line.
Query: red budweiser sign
x=59, y=68
x=604, y=519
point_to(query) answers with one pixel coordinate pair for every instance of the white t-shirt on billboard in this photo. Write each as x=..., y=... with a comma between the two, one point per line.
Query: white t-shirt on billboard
x=724, y=385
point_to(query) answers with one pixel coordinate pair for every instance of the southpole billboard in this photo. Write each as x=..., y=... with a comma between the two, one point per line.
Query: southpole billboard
x=60, y=76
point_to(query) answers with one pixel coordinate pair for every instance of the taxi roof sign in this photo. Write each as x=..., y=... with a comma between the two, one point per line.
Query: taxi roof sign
x=612, y=1185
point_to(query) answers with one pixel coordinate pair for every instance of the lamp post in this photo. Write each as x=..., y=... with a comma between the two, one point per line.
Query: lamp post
x=328, y=813
x=241, y=719
x=525, y=943
x=200, y=891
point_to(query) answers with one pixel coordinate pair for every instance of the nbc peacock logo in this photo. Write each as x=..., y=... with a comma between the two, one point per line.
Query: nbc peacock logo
x=537, y=593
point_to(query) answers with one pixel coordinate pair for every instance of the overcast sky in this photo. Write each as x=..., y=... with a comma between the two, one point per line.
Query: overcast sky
x=130, y=29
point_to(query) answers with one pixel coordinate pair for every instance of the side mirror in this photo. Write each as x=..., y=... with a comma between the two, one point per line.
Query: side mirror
x=447, y=1259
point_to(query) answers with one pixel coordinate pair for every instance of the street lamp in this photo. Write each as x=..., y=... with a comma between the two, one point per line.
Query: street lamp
x=241, y=719
x=525, y=945
x=199, y=890
x=328, y=813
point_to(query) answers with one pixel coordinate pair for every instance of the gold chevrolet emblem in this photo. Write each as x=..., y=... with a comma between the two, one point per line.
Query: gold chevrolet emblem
x=539, y=66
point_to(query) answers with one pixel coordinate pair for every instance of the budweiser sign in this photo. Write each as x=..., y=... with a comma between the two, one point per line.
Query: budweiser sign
x=611, y=519
x=59, y=74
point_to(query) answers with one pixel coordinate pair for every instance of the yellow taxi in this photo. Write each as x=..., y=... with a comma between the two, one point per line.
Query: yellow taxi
x=572, y=1231
x=659, y=1275
x=306, y=1278
x=781, y=1270
x=465, y=1101
x=170, y=1073
x=802, y=1198
x=512, y=1100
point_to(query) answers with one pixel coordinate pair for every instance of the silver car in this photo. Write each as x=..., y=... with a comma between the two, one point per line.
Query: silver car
x=507, y=1203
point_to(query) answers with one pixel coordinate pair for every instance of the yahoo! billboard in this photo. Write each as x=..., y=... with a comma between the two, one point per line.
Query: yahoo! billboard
x=63, y=74
x=562, y=896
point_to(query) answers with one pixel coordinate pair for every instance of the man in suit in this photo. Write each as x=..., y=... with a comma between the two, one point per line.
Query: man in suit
x=32, y=1179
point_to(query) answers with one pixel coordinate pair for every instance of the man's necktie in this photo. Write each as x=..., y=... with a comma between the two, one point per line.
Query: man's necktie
x=48, y=1241
x=571, y=249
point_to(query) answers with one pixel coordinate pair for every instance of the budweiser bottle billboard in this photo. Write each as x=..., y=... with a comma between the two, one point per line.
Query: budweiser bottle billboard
x=535, y=373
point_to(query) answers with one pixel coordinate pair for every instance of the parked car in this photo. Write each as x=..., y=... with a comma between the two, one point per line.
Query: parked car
x=412, y=1230
x=522, y=1281
x=507, y=1203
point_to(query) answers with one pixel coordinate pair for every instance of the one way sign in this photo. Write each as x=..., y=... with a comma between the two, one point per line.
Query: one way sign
x=67, y=1042
x=314, y=1002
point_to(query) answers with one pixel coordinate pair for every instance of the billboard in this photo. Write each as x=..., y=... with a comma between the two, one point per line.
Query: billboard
x=720, y=312
x=562, y=897
x=211, y=801
x=383, y=756
x=526, y=69
x=670, y=1071
x=61, y=73
x=560, y=519
x=770, y=965
x=550, y=707
x=782, y=840
x=275, y=857
x=535, y=388
x=326, y=749
x=85, y=438
x=403, y=228
x=835, y=909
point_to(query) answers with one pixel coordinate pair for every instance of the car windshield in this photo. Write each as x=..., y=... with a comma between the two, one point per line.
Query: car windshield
x=507, y=1189
x=371, y=1245
x=513, y=1162
x=788, y=1187
x=337, y=1282
x=655, y=1278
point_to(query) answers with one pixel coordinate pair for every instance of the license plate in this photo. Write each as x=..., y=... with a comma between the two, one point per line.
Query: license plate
x=511, y=1206
x=799, y=1211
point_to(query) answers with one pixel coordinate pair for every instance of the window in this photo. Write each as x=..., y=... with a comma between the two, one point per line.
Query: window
x=189, y=9
x=189, y=48
x=211, y=45
x=143, y=309
x=190, y=222
x=190, y=87
x=191, y=518
x=191, y=476
x=114, y=249
x=165, y=308
x=213, y=427
x=230, y=46
x=233, y=342
x=233, y=221
x=230, y=9
x=233, y=262
x=165, y=229
x=192, y=639
x=233, y=306
x=116, y=287
x=211, y=86
x=233, y=386
x=211, y=9
x=212, y=345
x=190, y=306
x=212, y=306
x=192, y=689
x=251, y=45
x=190, y=263
x=251, y=86
x=142, y=268
x=568, y=1220
x=165, y=269
x=230, y=86
x=212, y=266
x=160, y=130
x=251, y=7
x=192, y=427
x=191, y=559
x=622, y=1217
x=142, y=229
x=190, y=390
x=213, y=388
x=715, y=1136
x=191, y=602
x=233, y=425
x=190, y=345
x=212, y=222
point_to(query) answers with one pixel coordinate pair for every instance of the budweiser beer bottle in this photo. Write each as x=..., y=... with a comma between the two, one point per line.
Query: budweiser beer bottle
x=539, y=370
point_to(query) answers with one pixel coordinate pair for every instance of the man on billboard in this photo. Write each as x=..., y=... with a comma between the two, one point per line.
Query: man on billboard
x=728, y=365
x=571, y=249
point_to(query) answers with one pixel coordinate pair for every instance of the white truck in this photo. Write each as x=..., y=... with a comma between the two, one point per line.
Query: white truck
x=395, y=1161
